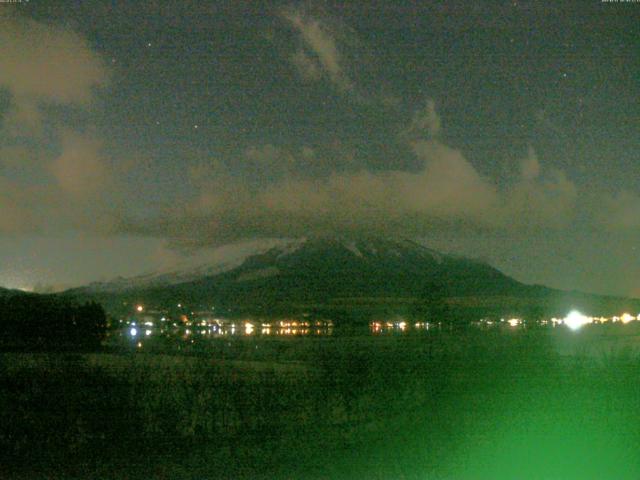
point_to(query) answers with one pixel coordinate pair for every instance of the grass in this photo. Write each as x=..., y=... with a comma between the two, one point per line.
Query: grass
x=456, y=405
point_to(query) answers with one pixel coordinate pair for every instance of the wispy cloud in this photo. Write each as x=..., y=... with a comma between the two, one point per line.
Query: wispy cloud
x=319, y=51
x=80, y=170
x=307, y=67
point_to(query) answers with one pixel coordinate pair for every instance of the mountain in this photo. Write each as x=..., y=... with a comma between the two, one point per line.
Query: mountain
x=338, y=272
x=325, y=268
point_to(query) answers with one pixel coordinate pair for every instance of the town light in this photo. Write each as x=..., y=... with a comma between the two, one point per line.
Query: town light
x=626, y=318
x=575, y=320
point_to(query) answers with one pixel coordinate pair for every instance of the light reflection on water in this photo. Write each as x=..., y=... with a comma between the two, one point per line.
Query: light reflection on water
x=228, y=329
x=202, y=329
x=280, y=328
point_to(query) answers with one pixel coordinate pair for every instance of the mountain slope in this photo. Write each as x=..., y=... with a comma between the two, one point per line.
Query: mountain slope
x=321, y=270
x=354, y=273
x=185, y=273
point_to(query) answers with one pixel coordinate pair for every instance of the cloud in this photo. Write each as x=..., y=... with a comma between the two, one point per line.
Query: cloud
x=424, y=124
x=447, y=191
x=43, y=65
x=325, y=48
x=530, y=166
x=547, y=203
x=257, y=166
x=20, y=159
x=44, y=62
x=321, y=52
x=23, y=118
x=73, y=189
x=620, y=211
x=80, y=170
x=15, y=214
x=448, y=185
x=306, y=66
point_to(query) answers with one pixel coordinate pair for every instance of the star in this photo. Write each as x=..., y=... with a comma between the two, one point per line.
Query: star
x=195, y=127
x=149, y=44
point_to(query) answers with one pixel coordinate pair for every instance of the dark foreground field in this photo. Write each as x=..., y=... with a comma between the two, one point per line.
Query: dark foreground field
x=474, y=405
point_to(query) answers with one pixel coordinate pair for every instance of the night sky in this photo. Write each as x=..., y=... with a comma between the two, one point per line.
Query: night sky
x=137, y=136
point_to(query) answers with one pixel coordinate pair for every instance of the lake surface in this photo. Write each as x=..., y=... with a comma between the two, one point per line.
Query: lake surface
x=595, y=339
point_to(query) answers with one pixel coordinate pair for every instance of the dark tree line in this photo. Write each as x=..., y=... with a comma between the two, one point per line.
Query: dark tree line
x=49, y=322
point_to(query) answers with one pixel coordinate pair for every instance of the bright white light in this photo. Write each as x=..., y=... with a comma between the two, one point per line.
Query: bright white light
x=139, y=308
x=626, y=318
x=133, y=332
x=575, y=320
x=147, y=332
x=514, y=322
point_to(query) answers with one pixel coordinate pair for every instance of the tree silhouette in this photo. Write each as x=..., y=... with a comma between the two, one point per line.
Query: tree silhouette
x=49, y=322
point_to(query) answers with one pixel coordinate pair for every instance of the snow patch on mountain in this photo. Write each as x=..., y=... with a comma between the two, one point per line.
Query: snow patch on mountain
x=290, y=247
